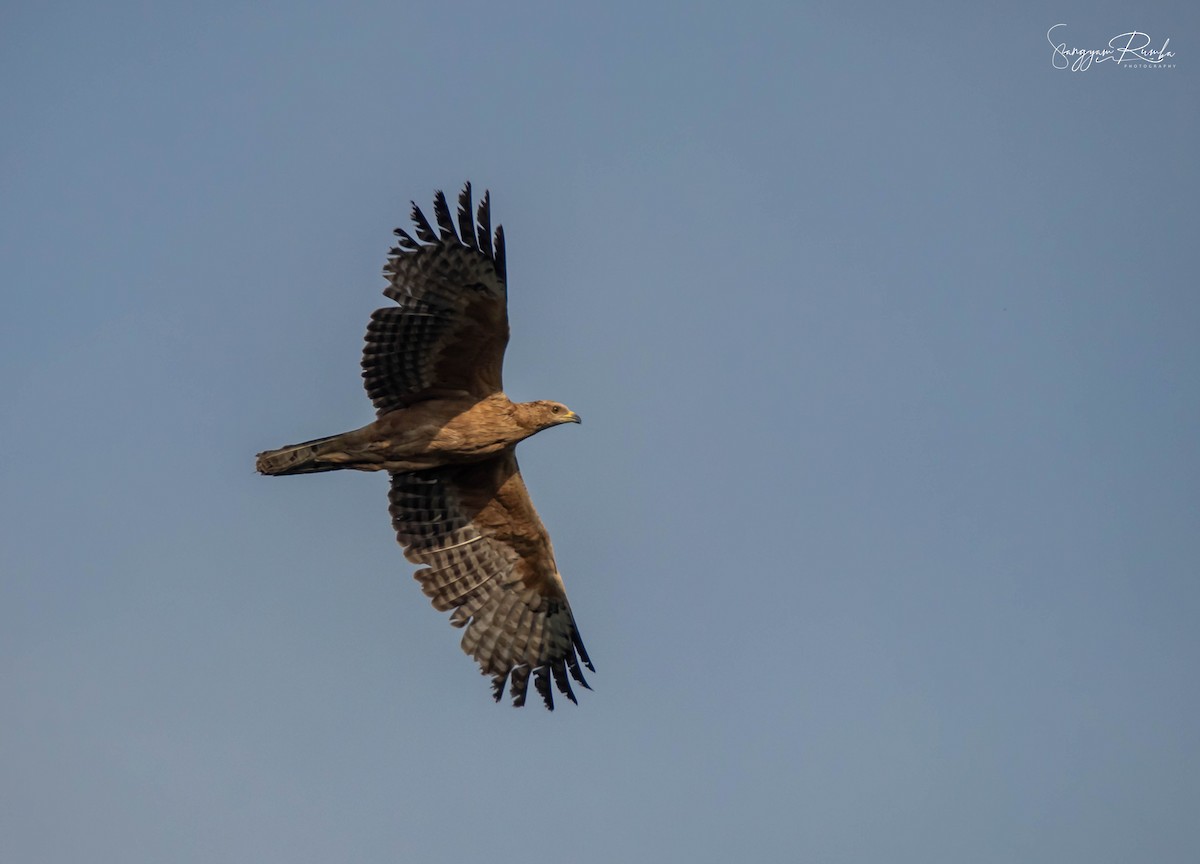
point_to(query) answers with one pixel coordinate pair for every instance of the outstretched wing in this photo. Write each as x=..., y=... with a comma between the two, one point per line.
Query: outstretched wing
x=488, y=558
x=448, y=333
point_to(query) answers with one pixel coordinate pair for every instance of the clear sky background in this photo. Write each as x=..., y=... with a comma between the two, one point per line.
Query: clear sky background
x=883, y=525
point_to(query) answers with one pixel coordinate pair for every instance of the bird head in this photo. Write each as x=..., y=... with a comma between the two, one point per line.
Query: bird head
x=543, y=414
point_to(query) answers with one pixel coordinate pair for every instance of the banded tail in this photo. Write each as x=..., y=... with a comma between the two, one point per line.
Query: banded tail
x=311, y=457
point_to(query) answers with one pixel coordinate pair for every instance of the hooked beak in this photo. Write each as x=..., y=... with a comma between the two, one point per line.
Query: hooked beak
x=572, y=417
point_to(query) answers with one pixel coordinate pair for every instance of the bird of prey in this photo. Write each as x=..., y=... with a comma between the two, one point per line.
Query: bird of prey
x=447, y=434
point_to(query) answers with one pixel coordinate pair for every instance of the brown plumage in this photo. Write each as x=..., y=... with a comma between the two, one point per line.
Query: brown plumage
x=447, y=434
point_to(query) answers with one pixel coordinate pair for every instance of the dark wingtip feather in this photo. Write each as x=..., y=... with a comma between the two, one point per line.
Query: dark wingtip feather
x=562, y=682
x=498, y=682
x=576, y=672
x=578, y=642
x=424, y=229
x=541, y=680
x=406, y=241
x=441, y=211
x=499, y=256
x=484, y=218
x=472, y=232
x=520, y=685
x=466, y=219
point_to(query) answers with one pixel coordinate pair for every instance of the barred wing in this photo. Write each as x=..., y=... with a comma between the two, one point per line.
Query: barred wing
x=448, y=332
x=488, y=558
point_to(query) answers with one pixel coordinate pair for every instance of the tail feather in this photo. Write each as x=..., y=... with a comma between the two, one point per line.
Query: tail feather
x=310, y=457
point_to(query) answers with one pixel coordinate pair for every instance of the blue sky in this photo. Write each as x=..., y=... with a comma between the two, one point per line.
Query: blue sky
x=881, y=527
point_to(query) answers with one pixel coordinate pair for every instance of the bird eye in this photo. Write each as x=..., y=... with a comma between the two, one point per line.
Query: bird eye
x=555, y=409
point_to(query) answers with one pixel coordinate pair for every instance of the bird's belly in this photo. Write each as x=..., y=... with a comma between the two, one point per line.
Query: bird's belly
x=420, y=449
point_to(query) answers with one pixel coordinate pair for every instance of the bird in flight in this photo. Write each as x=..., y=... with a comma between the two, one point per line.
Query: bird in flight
x=447, y=434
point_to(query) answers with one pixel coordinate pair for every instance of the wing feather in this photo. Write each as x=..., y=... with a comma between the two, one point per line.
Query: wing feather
x=499, y=254
x=441, y=212
x=484, y=218
x=487, y=557
x=466, y=221
x=520, y=685
x=424, y=229
x=405, y=242
x=449, y=329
